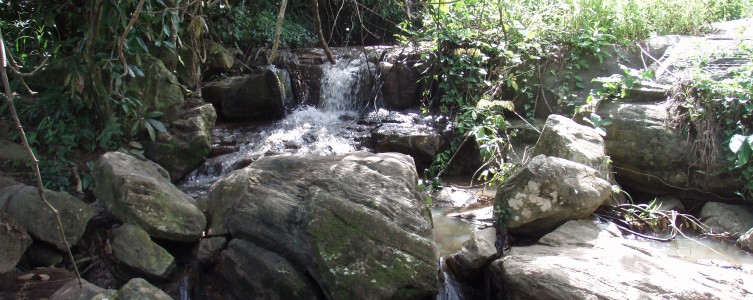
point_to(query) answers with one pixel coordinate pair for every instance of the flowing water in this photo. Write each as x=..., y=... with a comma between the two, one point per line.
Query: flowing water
x=330, y=128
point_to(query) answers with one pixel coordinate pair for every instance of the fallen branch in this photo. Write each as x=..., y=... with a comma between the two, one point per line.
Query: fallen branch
x=318, y=24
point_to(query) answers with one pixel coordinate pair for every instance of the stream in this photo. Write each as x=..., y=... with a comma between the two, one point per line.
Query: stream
x=335, y=126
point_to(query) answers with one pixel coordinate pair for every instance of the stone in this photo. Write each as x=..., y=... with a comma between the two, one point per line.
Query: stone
x=132, y=247
x=189, y=72
x=139, y=192
x=13, y=152
x=584, y=260
x=210, y=248
x=158, y=90
x=745, y=241
x=6, y=181
x=667, y=203
x=264, y=274
x=138, y=289
x=563, y=138
x=186, y=143
x=264, y=94
x=13, y=242
x=219, y=59
x=353, y=226
x=653, y=158
x=730, y=218
x=29, y=210
x=548, y=192
x=72, y=291
x=471, y=260
x=401, y=70
x=419, y=141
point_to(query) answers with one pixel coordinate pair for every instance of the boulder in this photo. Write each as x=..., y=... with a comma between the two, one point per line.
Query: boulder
x=653, y=158
x=185, y=144
x=210, y=248
x=401, y=70
x=745, y=241
x=563, y=138
x=584, y=260
x=264, y=94
x=132, y=247
x=188, y=72
x=219, y=59
x=29, y=210
x=419, y=141
x=475, y=255
x=13, y=242
x=348, y=227
x=734, y=219
x=548, y=192
x=6, y=181
x=139, y=192
x=137, y=289
x=88, y=291
x=667, y=203
x=158, y=89
x=10, y=151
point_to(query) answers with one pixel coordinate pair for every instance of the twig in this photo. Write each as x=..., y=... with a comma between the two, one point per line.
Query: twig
x=125, y=34
x=278, y=30
x=318, y=24
x=35, y=162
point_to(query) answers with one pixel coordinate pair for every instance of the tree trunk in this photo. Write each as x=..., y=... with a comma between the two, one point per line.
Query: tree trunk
x=318, y=23
x=278, y=30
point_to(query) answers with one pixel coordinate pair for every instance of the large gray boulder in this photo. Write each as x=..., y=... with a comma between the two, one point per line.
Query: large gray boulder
x=473, y=258
x=132, y=247
x=24, y=204
x=264, y=94
x=13, y=242
x=185, y=144
x=219, y=59
x=349, y=227
x=401, y=70
x=563, y=138
x=730, y=218
x=583, y=260
x=651, y=157
x=548, y=192
x=139, y=192
x=138, y=289
x=745, y=241
x=419, y=141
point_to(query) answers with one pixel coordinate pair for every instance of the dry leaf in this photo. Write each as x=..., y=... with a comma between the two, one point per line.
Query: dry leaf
x=44, y=277
x=26, y=276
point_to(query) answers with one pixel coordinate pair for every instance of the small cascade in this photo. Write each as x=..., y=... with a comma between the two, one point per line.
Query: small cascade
x=328, y=129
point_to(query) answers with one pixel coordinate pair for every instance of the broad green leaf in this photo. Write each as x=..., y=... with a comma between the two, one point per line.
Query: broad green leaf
x=157, y=125
x=736, y=142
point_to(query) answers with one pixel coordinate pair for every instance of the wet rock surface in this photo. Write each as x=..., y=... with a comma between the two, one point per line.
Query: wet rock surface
x=730, y=218
x=13, y=242
x=132, y=247
x=583, y=260
x=347, y=226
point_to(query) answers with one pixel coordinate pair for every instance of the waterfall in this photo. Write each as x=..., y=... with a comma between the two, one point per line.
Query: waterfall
x=327, y=129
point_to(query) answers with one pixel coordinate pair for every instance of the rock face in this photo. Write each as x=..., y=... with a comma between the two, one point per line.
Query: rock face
x=13, y=242
x=563, y=138
x=348, y=227
x=470, y=261
x=186, y=143
x=401, y=71
x=132, y=246
x=580, y=260
x=548, y=192
x=419, y=141
x=649, y=156
x=745, y=241
x=137, y=288
x=24, y=205
x=219, y=59
x=264, y=95
x=139, y=192
x=735, y=219
x=159, y=89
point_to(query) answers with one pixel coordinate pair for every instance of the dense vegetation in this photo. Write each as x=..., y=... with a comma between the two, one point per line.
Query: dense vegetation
x=490, y=55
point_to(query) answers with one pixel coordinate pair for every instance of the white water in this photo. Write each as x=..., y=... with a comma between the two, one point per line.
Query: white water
x=323, y=130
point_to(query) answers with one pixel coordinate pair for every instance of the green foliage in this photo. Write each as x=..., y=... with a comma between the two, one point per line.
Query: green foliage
x=254, y=25
x=719, y=111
